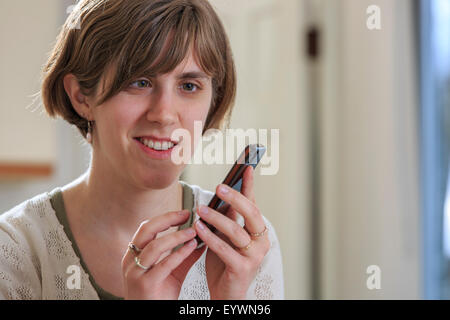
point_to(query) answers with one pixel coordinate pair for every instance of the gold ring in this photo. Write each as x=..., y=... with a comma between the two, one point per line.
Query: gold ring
x=259, y=234
x=133, y=247
x=247, y=246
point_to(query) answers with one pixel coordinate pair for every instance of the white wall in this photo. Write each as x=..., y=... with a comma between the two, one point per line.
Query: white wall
x=29, y=28
x=370, y=152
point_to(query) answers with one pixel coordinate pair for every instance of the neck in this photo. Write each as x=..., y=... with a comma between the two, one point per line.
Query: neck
x=105, y=203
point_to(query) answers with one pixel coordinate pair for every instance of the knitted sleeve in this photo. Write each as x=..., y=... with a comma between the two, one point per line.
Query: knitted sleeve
x=19, y=271
x=37, y=260
x=268, y=283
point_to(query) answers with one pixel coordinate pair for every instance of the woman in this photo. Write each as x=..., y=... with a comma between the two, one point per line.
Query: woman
x=127, y=74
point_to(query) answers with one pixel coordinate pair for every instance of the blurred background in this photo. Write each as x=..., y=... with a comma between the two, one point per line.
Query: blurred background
x=359, y=90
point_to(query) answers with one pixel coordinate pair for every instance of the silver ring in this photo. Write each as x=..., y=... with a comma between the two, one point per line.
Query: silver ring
x=138, y=263
x=133, y=247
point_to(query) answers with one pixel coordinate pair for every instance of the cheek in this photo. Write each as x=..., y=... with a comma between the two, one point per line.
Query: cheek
x=117, y=117
x=193, y=120
x=203, y=111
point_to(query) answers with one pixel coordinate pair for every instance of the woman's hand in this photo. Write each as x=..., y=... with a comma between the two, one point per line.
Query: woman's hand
x=234, y=255
x=162, y=280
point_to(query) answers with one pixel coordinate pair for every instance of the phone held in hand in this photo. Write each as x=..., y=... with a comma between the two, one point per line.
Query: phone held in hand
x=251, y=156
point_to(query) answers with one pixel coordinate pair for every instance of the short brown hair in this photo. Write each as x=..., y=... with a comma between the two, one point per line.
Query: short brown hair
x=128, y=36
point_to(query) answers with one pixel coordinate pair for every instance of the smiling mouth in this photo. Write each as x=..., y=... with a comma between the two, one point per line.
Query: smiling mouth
x=157, y=145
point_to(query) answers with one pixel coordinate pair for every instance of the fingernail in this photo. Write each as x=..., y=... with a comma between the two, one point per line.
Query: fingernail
x=191, y=243
x=190, y=231
x=223, y=189
x=183, y=212
x=204, y=210
x=200, y=225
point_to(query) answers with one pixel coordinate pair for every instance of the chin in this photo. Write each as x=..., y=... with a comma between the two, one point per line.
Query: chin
x=160, y=180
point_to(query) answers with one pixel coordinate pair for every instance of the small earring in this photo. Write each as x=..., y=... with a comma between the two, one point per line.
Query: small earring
x=89, y=133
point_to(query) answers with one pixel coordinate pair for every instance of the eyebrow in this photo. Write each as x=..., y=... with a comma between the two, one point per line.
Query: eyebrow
x=193, y=75
x=186, y=75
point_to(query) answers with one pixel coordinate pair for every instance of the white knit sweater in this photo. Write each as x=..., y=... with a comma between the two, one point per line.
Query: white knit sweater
x=37, y=258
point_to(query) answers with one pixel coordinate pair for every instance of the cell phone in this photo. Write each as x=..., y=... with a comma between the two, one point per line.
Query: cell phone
x=251, y=156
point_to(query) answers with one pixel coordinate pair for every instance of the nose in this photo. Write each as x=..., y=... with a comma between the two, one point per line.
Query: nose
x=162, y=109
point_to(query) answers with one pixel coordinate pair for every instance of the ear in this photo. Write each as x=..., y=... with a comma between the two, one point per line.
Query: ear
x=79, y=101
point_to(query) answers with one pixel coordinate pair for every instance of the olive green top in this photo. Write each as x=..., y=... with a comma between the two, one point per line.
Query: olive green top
x=57, y=203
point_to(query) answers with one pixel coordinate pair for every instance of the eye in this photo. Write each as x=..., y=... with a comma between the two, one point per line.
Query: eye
x=190, y=87
x=141, y=83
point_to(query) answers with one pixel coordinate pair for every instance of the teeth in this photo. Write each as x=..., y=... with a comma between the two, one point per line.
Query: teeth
x=157, y=145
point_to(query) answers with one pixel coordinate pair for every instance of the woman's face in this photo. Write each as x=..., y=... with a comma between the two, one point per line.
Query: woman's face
x=152, y=109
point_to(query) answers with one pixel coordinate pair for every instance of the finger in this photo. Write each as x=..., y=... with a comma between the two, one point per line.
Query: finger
x=172, y=261
x=127, y=260
x=228, y=211
x=248, y=184
x=233, y=214
x=153, y=251
x=253, y=218
x=148, y=230
x=230, y=228
x=224, y=251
